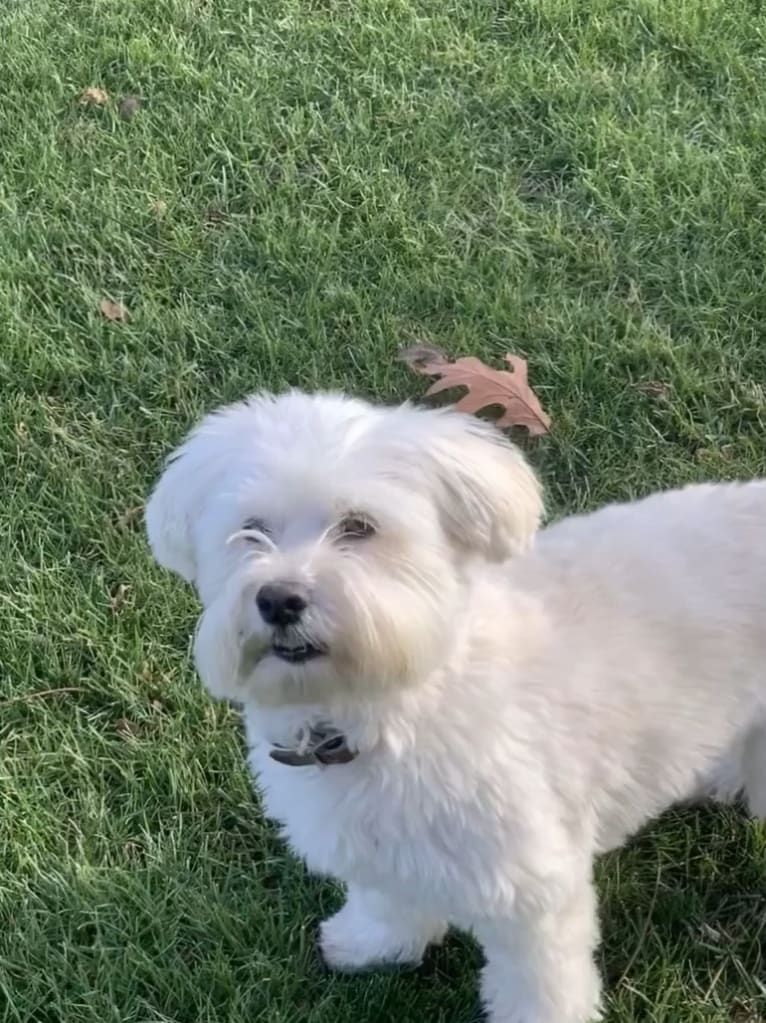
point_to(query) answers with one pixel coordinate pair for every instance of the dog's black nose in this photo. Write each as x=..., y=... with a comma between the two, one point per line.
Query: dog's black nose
x=281, y=603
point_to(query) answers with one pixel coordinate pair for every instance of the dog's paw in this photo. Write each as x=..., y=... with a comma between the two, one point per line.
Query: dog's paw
x=534, y=1013
x=351, y=942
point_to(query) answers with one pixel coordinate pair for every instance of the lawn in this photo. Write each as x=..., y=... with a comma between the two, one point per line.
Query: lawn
x=304, y=186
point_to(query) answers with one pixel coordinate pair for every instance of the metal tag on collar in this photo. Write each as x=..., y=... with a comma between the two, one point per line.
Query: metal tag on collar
x=335, y=750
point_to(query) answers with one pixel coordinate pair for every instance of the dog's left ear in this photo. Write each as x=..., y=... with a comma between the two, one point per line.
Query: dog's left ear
x=489, y=497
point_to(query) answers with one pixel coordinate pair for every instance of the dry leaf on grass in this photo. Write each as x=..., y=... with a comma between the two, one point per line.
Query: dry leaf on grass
x=129, y=107
x=214, y=216
x=484, y=386
x=654, y=389
x=94, y=95
x=118, y=598
x=126, y=728
x=114, y=311
x=130, y=516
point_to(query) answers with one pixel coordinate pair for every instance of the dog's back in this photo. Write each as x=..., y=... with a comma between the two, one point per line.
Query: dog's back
x=656, y=617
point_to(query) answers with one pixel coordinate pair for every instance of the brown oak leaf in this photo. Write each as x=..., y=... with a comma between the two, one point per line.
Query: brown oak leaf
x=94, y=95
x=113, y=311
x=484, y=386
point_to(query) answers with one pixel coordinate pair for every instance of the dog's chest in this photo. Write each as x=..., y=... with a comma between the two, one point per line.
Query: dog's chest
x=363, y=822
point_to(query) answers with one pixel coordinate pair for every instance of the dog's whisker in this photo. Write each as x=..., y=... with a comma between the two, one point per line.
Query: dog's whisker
x=322, y=538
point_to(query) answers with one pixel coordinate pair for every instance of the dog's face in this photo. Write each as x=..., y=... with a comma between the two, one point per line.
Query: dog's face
x=328, y=539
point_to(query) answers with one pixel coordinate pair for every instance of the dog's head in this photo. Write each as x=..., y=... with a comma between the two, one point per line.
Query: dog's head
x=329, y=539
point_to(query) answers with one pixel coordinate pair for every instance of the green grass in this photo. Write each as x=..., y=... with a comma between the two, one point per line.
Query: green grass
x=308, y=184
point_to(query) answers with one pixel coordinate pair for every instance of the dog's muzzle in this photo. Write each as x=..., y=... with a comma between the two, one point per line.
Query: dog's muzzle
x=297, y=653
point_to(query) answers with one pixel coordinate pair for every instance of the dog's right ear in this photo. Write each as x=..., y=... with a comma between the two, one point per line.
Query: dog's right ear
x=191, y=475
x=168, y=522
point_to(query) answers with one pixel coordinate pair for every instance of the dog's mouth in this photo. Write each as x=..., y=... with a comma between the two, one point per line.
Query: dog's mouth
x=295, y=653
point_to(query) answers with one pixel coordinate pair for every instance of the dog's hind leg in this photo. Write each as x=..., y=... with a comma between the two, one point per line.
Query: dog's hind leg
x=754, y=770
x=374, y=930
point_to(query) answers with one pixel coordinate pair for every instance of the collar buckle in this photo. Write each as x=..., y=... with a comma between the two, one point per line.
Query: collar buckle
x=317, y=746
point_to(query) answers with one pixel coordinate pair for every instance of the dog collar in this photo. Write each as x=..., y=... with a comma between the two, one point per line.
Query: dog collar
x=320, y=744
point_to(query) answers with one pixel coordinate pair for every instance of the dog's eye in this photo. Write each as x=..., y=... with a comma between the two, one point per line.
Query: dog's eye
x=356, y=527
x=255, y=525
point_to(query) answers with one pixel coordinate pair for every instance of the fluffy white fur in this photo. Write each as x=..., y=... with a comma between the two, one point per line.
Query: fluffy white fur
x=517, y=709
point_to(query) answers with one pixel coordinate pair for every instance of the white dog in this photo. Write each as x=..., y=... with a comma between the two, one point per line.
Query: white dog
x=449, y=719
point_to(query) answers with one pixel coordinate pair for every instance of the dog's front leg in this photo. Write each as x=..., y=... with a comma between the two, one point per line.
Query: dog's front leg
x=540, y=966
x=373, y=929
